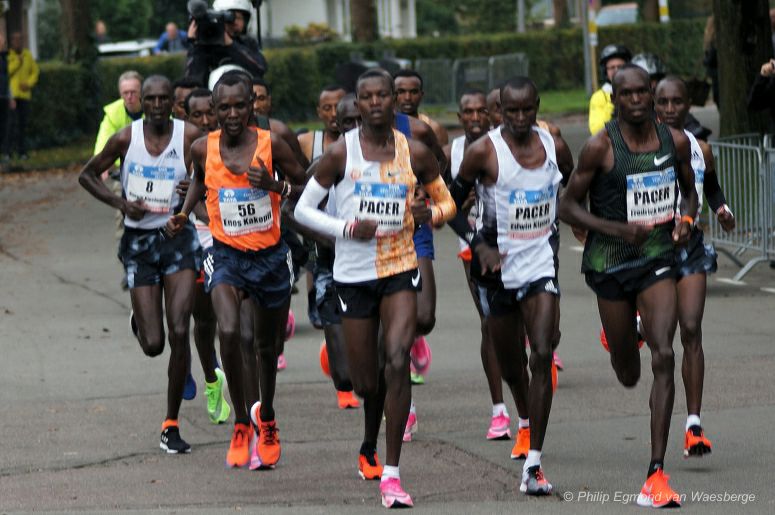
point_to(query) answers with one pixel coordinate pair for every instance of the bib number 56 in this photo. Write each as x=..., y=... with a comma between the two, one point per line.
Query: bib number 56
x=246, y=209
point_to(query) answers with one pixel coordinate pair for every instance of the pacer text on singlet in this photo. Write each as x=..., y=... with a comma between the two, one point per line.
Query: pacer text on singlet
x=245, y=210
x=651, y=197
x=384, y=203
x=153, y=185
x=530, y=213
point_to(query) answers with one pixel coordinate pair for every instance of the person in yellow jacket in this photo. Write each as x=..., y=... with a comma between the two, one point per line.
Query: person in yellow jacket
x=601, y=108
x=23, y=75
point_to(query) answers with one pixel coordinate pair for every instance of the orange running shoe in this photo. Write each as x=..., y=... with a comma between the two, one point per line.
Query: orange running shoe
x=656, y=493
x=268, y=444
x=554, y=376
x=369, y=467
x=519, y=451
x=695, y=443
x=346, y=400
x=239, y=449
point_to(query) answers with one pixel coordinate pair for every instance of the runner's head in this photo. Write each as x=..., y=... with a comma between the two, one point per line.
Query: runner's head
x=472, y=113
x=181, y=88
x=262, y=97
x=233, y=101
x=632, y=94
x=157, y=99
x=494, y=107
x=653, y=66
x=408, y=85
x=129, y=85
x=375, y=97
x=199, y=110
x=671, y=101
x=519, y=105
x=327, y=101
x=347, y=115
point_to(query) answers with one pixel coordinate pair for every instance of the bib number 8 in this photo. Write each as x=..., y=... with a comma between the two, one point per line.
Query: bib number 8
x=149, y=186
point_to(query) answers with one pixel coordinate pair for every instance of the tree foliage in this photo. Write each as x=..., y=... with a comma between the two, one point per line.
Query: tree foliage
x=125, y=19
x=447, y=17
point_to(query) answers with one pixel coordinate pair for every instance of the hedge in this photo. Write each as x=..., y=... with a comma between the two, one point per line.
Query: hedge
x=63, y=108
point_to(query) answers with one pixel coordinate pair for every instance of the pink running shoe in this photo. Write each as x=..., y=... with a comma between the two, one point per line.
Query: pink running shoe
x=281, y=363
x=290, y=325
x=255, y=461
x=393, y=496
x=499, y=428
x=420, y=355
x=411, y=427
x=557, y=361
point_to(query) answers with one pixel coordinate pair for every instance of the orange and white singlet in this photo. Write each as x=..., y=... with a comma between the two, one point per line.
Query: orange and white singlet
x=380, y=191
x=241, y=216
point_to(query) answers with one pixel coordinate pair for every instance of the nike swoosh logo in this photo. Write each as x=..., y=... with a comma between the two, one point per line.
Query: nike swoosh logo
x=416, y=280
x=342, y=304
x=662, y=270
x=659, y=160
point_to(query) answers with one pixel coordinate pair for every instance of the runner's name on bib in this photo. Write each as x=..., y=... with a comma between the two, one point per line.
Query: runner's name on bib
x=383, y=203
x=531, y=213
x=245, y=210
x=153, y=185
x=651, y=197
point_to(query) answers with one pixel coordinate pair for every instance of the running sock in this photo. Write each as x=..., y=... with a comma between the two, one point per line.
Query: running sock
x=524, y=422
x=533, y=459
x=390, y=472
x=499, y=409
x=412, y=409
x=692, y=420
x=368, y=449
x=654, y=466
x=170, y=422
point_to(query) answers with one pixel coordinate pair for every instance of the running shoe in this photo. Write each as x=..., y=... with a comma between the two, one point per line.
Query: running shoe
x=558, y=361
x=282, y=364
x=393, y=496
x=255, y=461
x=346, y=400
x=420, y=355
x=172, y=443
x=499, y=427
x=189, y=389
x=290, y=325
x=411, y=427
x=656, y=493
x=133, y=325
x=324, y=367
x=695, y=443
x=522, y=445
x=217, y=408
x=239, y=449
x=268, y=448
x=534, y=482
x=369, y=467
x=414, y=377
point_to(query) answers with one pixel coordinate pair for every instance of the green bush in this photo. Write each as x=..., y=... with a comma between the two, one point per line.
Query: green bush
x=64, y=107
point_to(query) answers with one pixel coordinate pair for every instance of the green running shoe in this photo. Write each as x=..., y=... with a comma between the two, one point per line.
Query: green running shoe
x=217, y=408
x=416, y=378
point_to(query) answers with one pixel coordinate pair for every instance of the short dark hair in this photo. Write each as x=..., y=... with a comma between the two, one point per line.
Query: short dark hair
x=196, y=93
x=408, y=74
x=348, y=98
x=186, y=83
x=259, y=81
x=375, y=73
x=232, y=78
x=674, y=79
x=519, y=82
x=156, y=78
x=333, y=87
x=471, y=92
x=628, y=67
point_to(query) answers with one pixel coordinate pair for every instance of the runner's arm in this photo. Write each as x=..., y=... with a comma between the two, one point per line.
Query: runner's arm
x=685, y=176
x=463, y=184
x=89, y=178
x=713, y=192
x=426, y=168
x=196, y=190
x=290, y=138
x=423, y=132
x=564, y=158
x=282, y=156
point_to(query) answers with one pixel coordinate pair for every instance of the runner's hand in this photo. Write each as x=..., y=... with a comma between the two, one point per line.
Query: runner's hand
x=469, y=202
x=726, y=218
x=580, y=234
x=681, y=233
x=135, y=209
x=636, y=234
x=175, y=224
x=421, y=211
x=365, y=230
x=768, y=68
x=182, y=187
x=260, y=177
x=489, y=258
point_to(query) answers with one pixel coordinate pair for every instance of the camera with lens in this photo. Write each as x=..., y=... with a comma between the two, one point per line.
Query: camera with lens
x=210, y=23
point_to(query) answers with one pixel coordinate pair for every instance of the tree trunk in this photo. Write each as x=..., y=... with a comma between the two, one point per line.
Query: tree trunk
x=743, y=40
x=363, y=16
x=650, y=10
x=560, y=8
x=77, y=44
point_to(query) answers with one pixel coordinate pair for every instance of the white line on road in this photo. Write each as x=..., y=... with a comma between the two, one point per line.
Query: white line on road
x=730, y=281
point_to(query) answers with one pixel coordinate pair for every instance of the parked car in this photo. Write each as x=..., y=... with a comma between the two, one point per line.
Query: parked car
x=137, y=47
x=619, y=14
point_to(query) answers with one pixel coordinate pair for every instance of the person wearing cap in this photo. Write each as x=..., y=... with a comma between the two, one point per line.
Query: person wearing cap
x=601, y=108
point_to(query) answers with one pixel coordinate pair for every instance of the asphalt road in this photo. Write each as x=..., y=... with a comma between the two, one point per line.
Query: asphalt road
x=82, y=405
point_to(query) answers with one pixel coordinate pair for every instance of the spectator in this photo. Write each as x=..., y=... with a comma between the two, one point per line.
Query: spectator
x=762, y=94
x=171, y=41
x=601, y=108
x=23, y=74
x=238, y=48
x=101, y=32
x=6, y=101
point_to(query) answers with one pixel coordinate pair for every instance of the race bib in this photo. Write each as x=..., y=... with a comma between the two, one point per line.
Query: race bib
x=245, y=210
x=153, y=185
x=383, y=203
x=651, y=197
x=530, y=213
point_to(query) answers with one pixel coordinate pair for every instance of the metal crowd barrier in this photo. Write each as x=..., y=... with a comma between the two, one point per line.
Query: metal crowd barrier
x=745, y=166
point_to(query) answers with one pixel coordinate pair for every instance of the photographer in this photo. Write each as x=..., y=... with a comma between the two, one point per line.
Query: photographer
x=219, y=38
